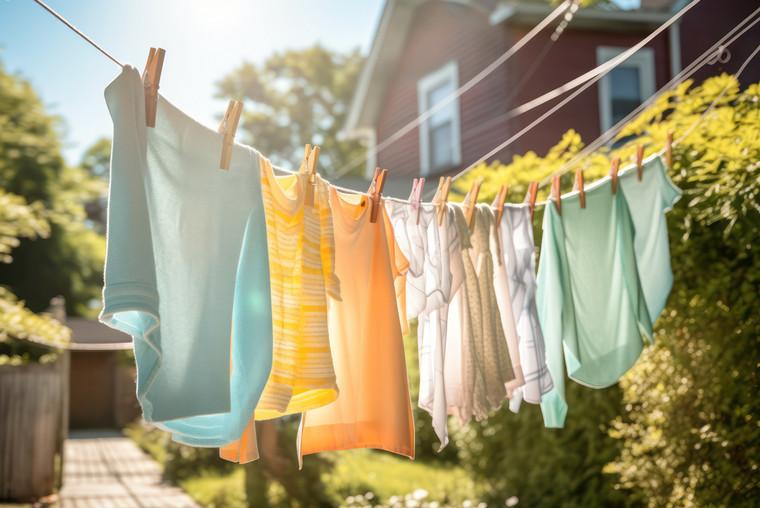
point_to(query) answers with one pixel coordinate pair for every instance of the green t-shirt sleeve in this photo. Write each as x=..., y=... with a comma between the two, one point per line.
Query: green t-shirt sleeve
x=549, y=299
x=669, y=192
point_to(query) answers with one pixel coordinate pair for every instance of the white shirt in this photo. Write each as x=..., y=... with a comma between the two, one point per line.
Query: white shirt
x=426, y=291
x=518, y=248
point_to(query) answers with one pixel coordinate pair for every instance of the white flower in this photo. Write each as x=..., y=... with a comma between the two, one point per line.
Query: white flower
x=420, y=494
x=512, y=501
x=369, y=495
x=467, y=503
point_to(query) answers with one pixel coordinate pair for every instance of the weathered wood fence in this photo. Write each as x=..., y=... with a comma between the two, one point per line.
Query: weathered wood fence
x=33, y=425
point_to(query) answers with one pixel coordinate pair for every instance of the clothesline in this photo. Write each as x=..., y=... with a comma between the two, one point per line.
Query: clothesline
x=584, y=81
x=567, y=6
x=598, y=71
x=299, y=302
x=699, y=62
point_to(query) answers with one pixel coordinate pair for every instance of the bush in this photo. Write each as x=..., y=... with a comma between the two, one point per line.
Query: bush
x=687, y=431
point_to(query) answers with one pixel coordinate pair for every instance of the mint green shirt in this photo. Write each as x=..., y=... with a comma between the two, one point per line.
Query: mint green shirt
x=648, y=200
x=590, y=300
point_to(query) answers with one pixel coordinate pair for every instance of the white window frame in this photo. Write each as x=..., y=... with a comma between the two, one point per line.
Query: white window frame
x=446, y=73
x=643, y=60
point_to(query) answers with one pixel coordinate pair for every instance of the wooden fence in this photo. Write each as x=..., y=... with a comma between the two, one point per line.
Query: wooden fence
x=33, y=425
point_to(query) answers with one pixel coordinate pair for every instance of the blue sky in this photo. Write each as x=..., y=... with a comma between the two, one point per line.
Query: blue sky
x=204, y=39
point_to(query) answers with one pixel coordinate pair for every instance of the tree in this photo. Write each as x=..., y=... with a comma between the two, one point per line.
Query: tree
x=24, y=336
x=68, y=260
x=295, y=97
x=685, y=432
x=692, y=434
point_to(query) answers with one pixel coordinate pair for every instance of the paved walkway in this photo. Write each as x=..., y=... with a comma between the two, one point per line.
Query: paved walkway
x=108, y=470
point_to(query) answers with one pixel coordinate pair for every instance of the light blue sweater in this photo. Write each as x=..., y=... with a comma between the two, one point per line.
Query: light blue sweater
x=187, y=273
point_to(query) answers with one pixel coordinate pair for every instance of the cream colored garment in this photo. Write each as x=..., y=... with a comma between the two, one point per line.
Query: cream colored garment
x=487, y=367
x=373, y=409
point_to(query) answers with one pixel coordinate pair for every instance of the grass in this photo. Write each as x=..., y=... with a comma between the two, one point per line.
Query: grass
x=354, y=472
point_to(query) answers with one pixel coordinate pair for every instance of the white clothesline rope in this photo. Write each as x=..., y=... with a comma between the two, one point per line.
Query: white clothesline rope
x=586, y=80
x=704, y=59
x=568, y=6
x=707, y=57
x=78, y=31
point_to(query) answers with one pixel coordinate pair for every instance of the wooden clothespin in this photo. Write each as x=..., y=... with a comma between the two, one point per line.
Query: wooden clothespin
x=640, y=162
x=442, y=197
x=498, y=203
x=151, y=78
x=415, y=198
x=310, y=167
x=579, y=187
x=532, y=193
x=669, y=150
x=375, y=193
x=556, y=193
x=471, y=199
x=227, y=128
x=614, y=174
x=306, y=153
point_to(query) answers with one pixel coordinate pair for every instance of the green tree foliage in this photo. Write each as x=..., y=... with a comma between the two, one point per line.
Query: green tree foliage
x=295, y=97
x=68, y=259
x=24, y=336
x=691, y=433
x=686, y=431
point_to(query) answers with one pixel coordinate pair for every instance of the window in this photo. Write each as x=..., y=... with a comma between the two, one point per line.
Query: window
x=439, y=134
x=626, y=86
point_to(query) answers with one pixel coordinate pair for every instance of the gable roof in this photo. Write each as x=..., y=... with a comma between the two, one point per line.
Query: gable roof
x=396, y=21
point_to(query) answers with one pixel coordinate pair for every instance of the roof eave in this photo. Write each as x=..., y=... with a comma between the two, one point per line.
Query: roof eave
x=386, y=47
x=588, y=19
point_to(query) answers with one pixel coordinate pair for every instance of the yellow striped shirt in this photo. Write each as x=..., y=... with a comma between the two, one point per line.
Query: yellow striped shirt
x=301, y=257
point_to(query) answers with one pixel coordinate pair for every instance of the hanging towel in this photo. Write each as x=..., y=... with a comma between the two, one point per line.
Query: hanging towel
x=176, y=227
x=373, y=409
x=590, y=300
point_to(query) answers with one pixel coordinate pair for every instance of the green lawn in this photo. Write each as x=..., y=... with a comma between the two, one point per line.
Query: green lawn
x=355, y=472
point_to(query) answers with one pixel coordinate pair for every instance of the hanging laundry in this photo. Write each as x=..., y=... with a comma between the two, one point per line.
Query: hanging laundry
x=518, y=248
x=176, y=225
x=301, y=253
x=504, y=303
x=373, y=409
x=485, y=358
x=426, y=288
x=649, y=199
x=251, y=352
x=590, y=300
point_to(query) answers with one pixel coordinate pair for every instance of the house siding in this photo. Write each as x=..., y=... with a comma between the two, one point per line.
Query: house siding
x=441, y=32
x=698, y=35
x=445, y=31
x=574, y=54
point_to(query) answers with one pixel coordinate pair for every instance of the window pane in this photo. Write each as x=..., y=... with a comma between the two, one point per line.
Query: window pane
x=441, y=151
x=436, y=95
x=625, y=91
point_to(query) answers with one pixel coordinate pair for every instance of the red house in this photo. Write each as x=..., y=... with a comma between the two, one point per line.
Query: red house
x=425, y=49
